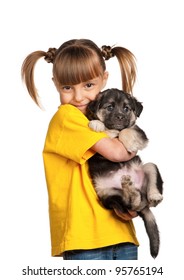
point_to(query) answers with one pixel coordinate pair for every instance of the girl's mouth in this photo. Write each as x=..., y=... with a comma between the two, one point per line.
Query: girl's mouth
x=81, y=105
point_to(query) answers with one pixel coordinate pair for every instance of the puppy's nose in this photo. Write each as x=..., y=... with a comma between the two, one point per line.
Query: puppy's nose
x=119, y=117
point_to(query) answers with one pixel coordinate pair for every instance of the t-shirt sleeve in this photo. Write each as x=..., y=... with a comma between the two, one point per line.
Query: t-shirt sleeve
x=75, y=137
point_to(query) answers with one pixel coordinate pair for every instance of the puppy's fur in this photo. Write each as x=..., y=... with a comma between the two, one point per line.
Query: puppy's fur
x=128, y=185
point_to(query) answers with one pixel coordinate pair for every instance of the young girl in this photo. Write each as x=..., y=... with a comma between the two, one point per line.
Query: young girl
x=81, y=228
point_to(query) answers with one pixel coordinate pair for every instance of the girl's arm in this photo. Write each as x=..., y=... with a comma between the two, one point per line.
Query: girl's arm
x=112, y=149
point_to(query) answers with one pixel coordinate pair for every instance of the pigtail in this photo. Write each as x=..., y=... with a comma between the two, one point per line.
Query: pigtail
x=127, y=65
x=27, y=74
x=27, y=71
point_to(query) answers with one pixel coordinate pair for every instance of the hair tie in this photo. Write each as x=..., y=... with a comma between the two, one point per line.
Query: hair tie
x=107, y=52
x=50, y=55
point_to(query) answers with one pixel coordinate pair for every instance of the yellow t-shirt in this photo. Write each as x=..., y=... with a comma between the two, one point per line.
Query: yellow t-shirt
x=77, y=219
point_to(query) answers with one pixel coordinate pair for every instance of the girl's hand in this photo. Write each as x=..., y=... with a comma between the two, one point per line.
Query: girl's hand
x=129, y=215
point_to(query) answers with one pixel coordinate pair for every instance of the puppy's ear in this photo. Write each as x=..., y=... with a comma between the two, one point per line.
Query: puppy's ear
x=138, y=107
x=93, y=106
x=91, y=110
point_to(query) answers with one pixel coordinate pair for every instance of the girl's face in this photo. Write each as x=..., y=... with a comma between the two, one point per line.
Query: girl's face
x=81, y=94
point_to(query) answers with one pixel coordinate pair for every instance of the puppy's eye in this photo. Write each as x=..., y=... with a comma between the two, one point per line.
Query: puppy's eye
x=110, y=107
x=126, y=109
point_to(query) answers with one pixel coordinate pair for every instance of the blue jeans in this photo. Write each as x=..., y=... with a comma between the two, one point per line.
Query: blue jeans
x=123, y=251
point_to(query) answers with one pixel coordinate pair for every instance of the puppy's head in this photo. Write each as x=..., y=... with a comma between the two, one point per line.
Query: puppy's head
x=115, y=108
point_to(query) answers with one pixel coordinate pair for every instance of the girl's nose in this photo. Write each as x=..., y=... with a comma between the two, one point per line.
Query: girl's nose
x=78, y=96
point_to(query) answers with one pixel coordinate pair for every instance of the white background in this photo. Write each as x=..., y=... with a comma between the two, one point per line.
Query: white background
x=153, y=31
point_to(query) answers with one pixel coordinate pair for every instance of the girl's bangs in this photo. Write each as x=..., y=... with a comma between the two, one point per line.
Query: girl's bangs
x=74, y=69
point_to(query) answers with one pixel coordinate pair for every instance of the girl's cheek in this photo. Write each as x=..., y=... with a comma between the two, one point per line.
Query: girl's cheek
x=64, y=99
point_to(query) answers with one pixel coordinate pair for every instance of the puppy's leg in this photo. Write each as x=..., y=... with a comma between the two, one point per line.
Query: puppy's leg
x=112, y=199
x=96, y=125
x=114, y=202
x=154, y=184
x=99, y=126
x=133, y=138
x=131, y=196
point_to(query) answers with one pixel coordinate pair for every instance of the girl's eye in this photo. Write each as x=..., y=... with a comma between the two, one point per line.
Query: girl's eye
x=66, y=87
x=89, y=85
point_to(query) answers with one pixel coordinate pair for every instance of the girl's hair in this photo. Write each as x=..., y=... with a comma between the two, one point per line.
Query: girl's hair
x=79, y=60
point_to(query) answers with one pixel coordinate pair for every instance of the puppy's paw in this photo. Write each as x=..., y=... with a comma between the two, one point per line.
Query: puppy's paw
x=96, y=125
x=126, y=181
x=154, y=199
x=131, y=140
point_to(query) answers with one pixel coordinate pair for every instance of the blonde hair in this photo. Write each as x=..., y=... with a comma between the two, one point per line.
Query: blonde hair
x=79, y=60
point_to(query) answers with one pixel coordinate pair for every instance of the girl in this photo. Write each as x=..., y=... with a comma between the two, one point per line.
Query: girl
x=80, y=227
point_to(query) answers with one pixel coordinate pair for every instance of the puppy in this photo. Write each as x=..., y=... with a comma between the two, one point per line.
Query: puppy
x=129, y=185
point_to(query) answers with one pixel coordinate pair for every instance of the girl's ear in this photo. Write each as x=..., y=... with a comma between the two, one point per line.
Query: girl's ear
x=105, y=78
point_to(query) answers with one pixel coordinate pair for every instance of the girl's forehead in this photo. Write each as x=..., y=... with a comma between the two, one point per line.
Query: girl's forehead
x=74, y=70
